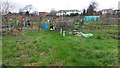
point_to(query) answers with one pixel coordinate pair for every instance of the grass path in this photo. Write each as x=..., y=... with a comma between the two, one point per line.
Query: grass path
x=50, y=48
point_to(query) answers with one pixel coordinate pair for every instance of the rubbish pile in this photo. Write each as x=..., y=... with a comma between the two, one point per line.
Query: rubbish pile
x=12, y=31
x=86, y=35
x=76, y=33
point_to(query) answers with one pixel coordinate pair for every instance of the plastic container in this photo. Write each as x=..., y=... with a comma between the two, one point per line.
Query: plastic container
x=44, y=25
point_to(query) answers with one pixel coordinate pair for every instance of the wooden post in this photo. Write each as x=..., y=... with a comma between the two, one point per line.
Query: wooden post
x=118, y=13
x=39, y=26
x=6, y=22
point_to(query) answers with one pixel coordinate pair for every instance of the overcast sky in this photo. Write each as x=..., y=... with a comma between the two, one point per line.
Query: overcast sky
x=47, y=5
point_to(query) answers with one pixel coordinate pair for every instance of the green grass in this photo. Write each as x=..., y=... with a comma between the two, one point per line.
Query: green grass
x=46, y=48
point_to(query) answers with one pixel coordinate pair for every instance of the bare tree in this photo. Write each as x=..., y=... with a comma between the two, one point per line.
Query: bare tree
x=35, y=12
x=27, y=8
x=21, y=11
x=6, y=7
x=0, y=6
x=0, y=12
x=53, y=12
x=91, y=9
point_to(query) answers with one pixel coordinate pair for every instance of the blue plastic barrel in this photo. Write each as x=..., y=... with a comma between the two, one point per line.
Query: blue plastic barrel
x=44, y=25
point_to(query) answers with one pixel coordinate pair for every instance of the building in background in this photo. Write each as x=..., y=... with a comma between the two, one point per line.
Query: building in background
x=104, y=11
x=43, y=14
x=67, y=12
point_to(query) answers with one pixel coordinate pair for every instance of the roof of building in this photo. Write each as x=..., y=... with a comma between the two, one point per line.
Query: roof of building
x=68, y=11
